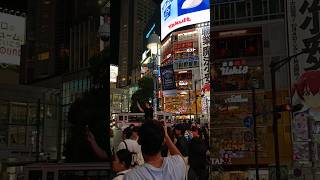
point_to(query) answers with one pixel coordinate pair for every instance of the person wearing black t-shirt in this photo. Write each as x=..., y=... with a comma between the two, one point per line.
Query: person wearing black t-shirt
x=148, y=110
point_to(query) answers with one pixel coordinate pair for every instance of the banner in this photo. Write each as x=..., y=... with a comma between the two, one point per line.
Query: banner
x=168, y=80
x=204, y=54
x=12, y=36
x=304, y=35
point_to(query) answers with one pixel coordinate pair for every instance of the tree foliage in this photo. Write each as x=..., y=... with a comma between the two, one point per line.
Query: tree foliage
x=143, y=94
x=90, y=112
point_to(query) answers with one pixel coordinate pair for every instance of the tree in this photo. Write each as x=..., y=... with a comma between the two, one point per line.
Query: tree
x=87, y=112
x=90, y=113
x=143, y=94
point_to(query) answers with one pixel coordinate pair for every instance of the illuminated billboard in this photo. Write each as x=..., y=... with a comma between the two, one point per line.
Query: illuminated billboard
x=179, y=13
x=113, y=73
x=12, y=36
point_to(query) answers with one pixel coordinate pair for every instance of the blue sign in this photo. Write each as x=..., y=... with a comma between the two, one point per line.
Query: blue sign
x=248, y=122
x=179, y=13
x=190, y=6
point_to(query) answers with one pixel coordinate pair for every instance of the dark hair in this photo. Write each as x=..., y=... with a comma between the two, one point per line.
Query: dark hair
x=127, y=132
x=135, y=129
x=180, y=127
x=197, y=158
x=124, y=155
x=151, y=136
x=197, y=154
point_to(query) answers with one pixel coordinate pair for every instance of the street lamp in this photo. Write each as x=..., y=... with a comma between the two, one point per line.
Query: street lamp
x=154, y=44
x=274, y=67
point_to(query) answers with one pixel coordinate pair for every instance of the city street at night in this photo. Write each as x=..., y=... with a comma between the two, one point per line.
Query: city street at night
x=159, y=90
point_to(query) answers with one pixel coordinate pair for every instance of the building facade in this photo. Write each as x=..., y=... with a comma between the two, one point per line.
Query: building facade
x=245, y=42
x=45, y=53
x=135, y=16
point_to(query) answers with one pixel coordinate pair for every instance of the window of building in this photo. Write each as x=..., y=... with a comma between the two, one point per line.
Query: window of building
x=18, y=114
x=17, y=135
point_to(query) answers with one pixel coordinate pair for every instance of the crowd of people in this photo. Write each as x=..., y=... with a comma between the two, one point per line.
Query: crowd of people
x=154, y=151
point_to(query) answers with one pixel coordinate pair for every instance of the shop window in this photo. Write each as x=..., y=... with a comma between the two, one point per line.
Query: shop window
x=274, y=6
x=17, y=135
x=257, y=7
x=235, y=47
x=241, y=9
x=18, y=114
x=32, y=114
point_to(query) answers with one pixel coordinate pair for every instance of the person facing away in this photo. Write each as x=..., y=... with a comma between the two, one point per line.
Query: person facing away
x=121, y=163
x=182, y=143
x=131, y=143
x=152, y=136
x=147, y=110
x=197, y=160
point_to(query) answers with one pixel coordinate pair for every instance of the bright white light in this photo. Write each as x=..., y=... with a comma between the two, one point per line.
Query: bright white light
x=188, y=4
x=113, y=73
x=231, y=33
x=187, y=33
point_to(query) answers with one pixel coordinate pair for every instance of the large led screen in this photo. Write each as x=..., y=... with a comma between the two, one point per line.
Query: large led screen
x=179, y=13
x=12, y=36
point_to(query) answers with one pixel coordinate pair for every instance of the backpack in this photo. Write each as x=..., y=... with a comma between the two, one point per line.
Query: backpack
x=137, y=158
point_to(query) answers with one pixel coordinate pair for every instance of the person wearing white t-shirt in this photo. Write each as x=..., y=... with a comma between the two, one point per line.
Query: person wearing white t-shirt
x=152, y=136
x=131, y=143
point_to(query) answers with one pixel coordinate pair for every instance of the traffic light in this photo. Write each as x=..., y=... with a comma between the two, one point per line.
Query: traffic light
x=287, y=108
x=283, y=108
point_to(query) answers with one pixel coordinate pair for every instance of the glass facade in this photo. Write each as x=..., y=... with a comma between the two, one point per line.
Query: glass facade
x=244, y=11
x=71, y=90
x=18, y=125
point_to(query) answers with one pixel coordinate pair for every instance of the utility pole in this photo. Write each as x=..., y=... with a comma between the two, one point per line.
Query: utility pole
x=254, y=115
x=274, y=67
x=38, y=131
x=190, y=106
x=196, y=98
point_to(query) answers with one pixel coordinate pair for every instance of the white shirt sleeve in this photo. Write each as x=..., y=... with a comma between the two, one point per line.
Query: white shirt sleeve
x=121, y=146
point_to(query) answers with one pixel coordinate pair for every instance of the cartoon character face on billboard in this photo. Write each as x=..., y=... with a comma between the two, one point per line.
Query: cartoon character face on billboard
x=307, y=88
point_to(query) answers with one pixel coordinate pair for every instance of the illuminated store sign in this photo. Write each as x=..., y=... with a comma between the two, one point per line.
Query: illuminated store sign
x=236, y=99
x=179, y=13
x=113, y=73
x=231, y=68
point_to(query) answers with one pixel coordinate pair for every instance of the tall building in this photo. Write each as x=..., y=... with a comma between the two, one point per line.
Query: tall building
x=45, y=54
x=135, y=16
x=246, y=36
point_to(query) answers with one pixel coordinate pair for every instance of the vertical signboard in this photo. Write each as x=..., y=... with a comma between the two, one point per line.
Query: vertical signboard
x=12, y=36
x=168, y=80
x=304, y=35
x=204, y=62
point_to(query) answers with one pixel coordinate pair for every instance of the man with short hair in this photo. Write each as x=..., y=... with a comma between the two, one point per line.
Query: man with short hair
x=182, y=142
x=152, y=136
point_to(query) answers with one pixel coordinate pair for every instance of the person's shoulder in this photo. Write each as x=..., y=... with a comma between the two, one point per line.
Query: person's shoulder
x=136, y=173
x=175, y=159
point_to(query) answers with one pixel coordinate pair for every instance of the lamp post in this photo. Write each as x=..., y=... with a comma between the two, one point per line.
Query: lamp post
x=274, y=67
x=153, y=45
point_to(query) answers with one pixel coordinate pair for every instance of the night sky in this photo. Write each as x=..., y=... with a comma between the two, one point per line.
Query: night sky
x=18, y=5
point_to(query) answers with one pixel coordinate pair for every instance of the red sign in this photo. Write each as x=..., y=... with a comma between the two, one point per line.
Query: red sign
x=186, y=19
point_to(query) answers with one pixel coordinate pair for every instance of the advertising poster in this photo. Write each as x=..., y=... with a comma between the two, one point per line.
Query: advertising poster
x=12, y=36
x=168, y=79
x=179, y=13
x=304, y=35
